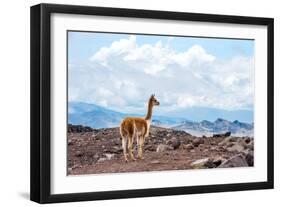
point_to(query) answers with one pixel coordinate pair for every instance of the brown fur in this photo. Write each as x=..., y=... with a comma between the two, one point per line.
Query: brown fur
x=137, y=127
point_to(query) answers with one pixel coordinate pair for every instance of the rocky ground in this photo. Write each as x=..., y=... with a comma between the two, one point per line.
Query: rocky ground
x=93, y=151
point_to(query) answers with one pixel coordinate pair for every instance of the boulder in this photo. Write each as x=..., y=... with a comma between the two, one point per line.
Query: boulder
x=96, y=156
x=155, y=162
x=174, y=142
x=213, y=148
x=235, y=161
x=109, y=156
x=189, y=147
x=102, y=159
x=117, y=150
x=250, y=158
x=228, y=140
x=79, y=154
x=197, y=141
x=203, y=163
x=247, y=140
x=250, y=145
x=70, y=142
x=163, y=148
x=229, y=144
x=236, y=148
x=218, y=160
x=149, y=147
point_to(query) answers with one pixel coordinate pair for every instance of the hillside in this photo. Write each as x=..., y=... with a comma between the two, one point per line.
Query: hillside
x=93, y=151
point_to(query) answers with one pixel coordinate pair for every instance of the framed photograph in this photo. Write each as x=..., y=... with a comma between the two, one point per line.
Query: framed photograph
x=132, y=103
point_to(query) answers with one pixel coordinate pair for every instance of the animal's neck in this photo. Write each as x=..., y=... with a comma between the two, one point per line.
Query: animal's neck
x=149, y=111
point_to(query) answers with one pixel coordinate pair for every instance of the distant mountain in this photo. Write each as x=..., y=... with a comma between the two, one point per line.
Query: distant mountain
x=168, y=122
x=204, y=113
x=219, y=126
x=93, y=115
x=80, y=113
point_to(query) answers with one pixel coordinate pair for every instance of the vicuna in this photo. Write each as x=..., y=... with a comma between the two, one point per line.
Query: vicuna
x=137, y=127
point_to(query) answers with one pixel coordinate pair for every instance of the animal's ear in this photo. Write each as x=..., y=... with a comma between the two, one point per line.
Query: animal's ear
x=152, y=96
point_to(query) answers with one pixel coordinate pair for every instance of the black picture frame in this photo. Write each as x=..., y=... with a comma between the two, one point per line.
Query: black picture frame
x=41, y=98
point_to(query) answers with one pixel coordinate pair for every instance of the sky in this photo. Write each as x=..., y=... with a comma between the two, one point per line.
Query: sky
x=121, y=71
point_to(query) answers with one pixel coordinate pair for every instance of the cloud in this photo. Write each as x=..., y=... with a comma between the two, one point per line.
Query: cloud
x=122, y=75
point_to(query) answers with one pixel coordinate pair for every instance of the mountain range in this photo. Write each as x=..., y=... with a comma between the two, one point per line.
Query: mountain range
x=80, y=113
x=208, y=128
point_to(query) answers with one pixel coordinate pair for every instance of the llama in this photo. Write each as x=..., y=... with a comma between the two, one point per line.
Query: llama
x=137, y=127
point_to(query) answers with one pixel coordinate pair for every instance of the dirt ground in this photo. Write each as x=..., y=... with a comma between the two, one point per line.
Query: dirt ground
x=93, y=151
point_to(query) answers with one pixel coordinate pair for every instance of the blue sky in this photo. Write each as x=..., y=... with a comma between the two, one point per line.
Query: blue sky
x=82, y=45
x=120, y=71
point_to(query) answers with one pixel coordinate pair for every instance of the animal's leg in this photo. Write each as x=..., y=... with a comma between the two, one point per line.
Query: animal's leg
x=140, y=147
x=124, y=145
x=130, y=147
x=138, y=142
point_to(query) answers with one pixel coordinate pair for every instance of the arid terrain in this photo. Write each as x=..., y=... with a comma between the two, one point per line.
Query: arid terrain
x=92, y=151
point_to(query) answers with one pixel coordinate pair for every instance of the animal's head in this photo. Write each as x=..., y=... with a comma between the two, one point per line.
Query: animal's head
x=153, y=100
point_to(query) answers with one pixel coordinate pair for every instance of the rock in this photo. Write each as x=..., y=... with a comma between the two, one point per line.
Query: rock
x=218, y=160
x=235, y=161
x=201, y=145
x=197, y=141
x=247, y=140
x=109, y=156
x=237, y=147
x=70, y=142
x=96, y=156
x=79, y=154
x=78, y=128
x=227, y=134
x=203, y=163
x=250, y=158
x=155, y=162
x=229, y=144
x=188, y=146
x=213, y=148
x=174, y=142
x=117, y=149
x=242, y=142
x=213, y=143
x=250, y=145
x=102, y=159
x=163, y=148
x=227, y=140
x=210, y=164
x=149, y=148
x=205, y=150
x=76, y=166
x=198, y=164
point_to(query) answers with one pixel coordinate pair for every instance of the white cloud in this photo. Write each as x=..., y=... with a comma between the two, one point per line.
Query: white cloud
x=124, y=74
